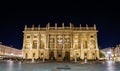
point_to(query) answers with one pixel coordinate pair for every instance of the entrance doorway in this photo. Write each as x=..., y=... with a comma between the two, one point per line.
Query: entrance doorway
x=67, y=56
x=51, y=56
x=59, y=55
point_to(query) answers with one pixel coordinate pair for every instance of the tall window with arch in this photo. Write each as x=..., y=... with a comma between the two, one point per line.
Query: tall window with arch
x=34, y=44
x=85, y=44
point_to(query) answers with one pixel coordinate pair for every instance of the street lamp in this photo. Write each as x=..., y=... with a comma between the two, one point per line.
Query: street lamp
x=75, y=58
x=85, y=59
x=11, y=54
x=109, y=54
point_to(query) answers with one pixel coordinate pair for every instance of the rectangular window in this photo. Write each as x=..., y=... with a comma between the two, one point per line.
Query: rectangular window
x=35, y=36
x=28, y=36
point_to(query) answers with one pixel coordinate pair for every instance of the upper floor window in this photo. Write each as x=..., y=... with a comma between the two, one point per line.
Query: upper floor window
x=35, y=36
x=91, y=36
x=28, y=36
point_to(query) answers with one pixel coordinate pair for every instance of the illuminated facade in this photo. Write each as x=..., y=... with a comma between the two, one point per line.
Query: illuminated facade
x=60, y=43
x=112, y=53
x=116, y=52
x=8, y=51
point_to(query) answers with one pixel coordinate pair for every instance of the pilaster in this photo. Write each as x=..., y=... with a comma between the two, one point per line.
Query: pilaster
x=71, y=38
x=63, y=41
x=55, y=41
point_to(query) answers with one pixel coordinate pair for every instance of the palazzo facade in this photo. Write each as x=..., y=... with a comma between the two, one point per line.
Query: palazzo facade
x=60, y=43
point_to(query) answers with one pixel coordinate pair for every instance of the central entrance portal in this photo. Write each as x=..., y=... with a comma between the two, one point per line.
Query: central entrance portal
x=59, y=52
x=59, y=44
x=59, y=55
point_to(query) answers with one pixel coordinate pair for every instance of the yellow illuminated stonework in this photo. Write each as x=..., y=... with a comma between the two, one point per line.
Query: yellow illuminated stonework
x=60, y=43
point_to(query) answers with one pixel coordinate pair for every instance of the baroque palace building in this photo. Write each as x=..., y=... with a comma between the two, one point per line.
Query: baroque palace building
x=60, y=43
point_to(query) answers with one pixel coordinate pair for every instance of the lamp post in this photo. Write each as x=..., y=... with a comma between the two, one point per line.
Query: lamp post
x=75, y=59
x=85, y=59
x=32, y=59
x=43, y=58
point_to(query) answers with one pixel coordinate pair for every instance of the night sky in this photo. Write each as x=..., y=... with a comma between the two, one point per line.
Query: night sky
x=14, y=16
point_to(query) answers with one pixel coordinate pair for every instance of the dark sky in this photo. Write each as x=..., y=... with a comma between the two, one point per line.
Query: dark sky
x=14, y=16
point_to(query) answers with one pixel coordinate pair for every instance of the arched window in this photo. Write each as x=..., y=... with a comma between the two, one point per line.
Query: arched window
x=41, y=44
x=85, y=44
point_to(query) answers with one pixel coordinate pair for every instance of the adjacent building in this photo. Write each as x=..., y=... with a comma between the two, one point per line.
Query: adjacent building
x=59, y=43
x=116, y=52
x=112, y=53
x=108, y=52
x=8, y=51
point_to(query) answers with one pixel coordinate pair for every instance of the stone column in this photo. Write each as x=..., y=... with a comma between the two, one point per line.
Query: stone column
x=31, y=45
x=55, y=52
x=43, y=56
x=82, y=54
x=96, y=46
x=63, y=50
x=46, y=52
x=71, y=48
x=89, y=54
x=39, y=40
x=24, y=38
x=55, y=41
x=79, y=45
x=71, y=40
x=96, y=42
x=31, y=40
x=87, y=41
x=63, y=40
x=47, y=40
x=75, y=58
